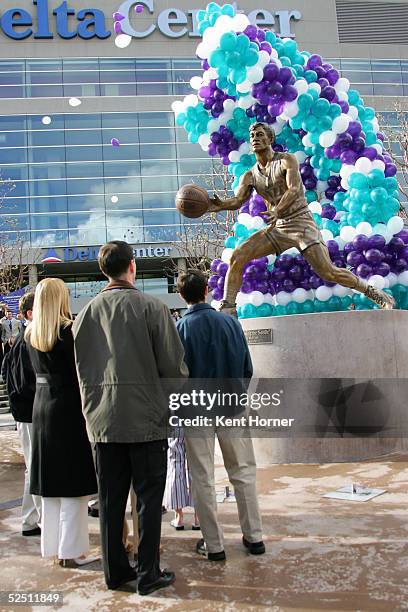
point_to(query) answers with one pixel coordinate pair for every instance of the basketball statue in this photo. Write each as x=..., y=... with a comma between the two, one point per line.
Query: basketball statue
x=276, y=178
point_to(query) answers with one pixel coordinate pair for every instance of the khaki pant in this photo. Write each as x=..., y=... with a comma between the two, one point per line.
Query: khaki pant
x=239, y=461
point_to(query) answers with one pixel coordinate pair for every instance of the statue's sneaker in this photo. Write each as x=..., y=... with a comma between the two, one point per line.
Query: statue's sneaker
x=379, y=297
x=228, y=308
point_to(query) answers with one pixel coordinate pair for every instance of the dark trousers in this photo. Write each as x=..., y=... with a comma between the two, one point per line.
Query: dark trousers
x=145, y=465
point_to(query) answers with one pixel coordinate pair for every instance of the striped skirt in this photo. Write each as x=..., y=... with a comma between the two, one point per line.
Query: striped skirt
x=177, y=493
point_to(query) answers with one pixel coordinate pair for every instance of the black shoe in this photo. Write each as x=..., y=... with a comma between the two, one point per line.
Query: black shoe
x=166, y=579
x=32, y=532
x=255, y=548
x=115, y=585
x=94, y=512
x=164, y=509
x=201, y=549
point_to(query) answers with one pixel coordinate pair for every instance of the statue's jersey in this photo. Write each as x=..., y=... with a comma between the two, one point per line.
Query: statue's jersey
x=270, y=183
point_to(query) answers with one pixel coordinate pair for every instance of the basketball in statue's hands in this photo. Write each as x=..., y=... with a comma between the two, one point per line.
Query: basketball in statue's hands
x=192, y=201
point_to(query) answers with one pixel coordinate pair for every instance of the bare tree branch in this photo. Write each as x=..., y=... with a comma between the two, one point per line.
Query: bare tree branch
x=396, y=140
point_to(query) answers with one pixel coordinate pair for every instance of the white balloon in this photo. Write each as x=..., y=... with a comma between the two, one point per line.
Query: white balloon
x=326, y=235
x=300, y=156
x=380, y=228
x=204, y=140
x=254, y=74
x=213, y=125
x=388, y=236
x=299, y=295
x=315, y=207
x=364, y=165
x=392, y=279
x=46, y=120
x=377, y=281
x=240, y=22
x=226, y=255
x=202, y=50
x=256, y=298
x=342, y=96
x=269, y=299
x=342, y=84
x=234, y=157
x=327, y=139
x=403, y=278
x=74, y=102
x=263, y=59
x=301, y=86
x=340, y=242
x=340, y=291
x=283, y=298
x=271, y=259
x=191, y=100
x=345, y=184
x=348, y=233
x=123, y=40
x=228, y=105
x=275, y=55
x=244, y=87
x=291, y=109
x=340, y=124
x=378, y=148
x=114, y=199
x=364, y=228
x=246, y=101
x=306, y=141
x=224, y=23
x=346, y=171
x=395, y=225
x=324, y=293
x=177, y=107
x=321, y=187
x=196, y=82
x=245, y=148
x=316, y=87
x=353, y=113
x=244, y=219
x=257, y=223
x=377, y=164
x=240, y=299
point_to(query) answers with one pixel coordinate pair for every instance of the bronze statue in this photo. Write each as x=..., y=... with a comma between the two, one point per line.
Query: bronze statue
x=276, y=178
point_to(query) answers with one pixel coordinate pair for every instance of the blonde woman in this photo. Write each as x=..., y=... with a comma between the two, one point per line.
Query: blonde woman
x=62, y=468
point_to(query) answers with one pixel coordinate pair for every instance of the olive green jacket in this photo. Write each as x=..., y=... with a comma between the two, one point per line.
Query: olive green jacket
x=126, y=346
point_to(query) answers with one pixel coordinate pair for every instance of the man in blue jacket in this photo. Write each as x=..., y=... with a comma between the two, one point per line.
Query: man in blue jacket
x=216, y=348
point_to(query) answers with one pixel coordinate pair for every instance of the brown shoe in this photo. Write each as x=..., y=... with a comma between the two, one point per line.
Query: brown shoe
x=379, y=297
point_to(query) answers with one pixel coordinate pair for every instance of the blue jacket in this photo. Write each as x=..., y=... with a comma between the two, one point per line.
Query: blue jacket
x=214, y=343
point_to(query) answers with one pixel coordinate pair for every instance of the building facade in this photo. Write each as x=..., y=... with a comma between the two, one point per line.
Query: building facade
x=68, y=190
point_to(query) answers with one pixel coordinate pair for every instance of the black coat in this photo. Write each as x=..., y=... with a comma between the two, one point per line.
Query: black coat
x=19, y=376
x=62, y=463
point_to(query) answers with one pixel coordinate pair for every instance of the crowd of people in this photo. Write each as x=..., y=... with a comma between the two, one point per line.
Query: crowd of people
x=92, y=412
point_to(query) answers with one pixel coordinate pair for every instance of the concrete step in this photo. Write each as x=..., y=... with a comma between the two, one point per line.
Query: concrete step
x=4, y=410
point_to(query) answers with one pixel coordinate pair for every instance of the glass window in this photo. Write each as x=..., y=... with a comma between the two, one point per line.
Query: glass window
x=14, y=173
x=387, y=77
x=128, y=201
x=158, y=200
x=119, y=169
x=12, y=139
x=49, y=221
x=348, y=64
x=46, y=154
x=12, y=66
x=86, y=170
x=159, y=119
x=194, y=167
x=48, y=65
x=44, y=91
x=51, y=171
x=80, y=186
x=159, y=183
x=83, y=137
x=118, y=64
x=15, y=205
x=44, y=78
x=389, y=89
x=45, y=137
x=48, y=187
x=34, y=122
x=87, y=202
x=161, y=233
x=156, y=135
x=157, y=151
x=48, y=204
x=14, y=222
x=44, y=238
x=87, y=228
x=80, y=65
x=186, y=63
x=118, y=89
x=17, y=189
x=191, y=151
x=12, y=122
x=12, y=91
x=157, y=167
x=114, y=75
x=127, y=184
x=154, y=286
x=83, y=153
x=153, y=77
x=129, y=135
x=82, y=121
x=161, y=217
x=124, y=152
x=119, y=120
x=128, y=226
x=13, y=156
x=79, y=91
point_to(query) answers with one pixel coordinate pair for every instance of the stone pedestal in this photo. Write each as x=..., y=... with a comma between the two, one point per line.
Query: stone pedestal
x=354, y=344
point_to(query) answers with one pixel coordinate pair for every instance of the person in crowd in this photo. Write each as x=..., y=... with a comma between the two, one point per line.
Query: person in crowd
x=3, y=310
x=126, y=343
x=62, y=468
x=215, y=347
x=10, y=328
x=19, y=377
x=176, y=315
x=178, y=494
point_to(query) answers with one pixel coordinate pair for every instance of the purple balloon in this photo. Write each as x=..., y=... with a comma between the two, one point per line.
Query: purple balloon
x=390, y=170
x=332, y=76
x=310, y=183
x=370, y=153
x=271, y=72
x=117, y=26
x=328, y=211
x=323, y=82
x=304, y=284
x=115, y=142
x=220, y=282
x=314, y=61
x=265, y=46
x=354, y=259
x=285, y=261
x=214, y=265
x=212, y=281
x=364, y=270
x=279, y=274
x=360, y=243
x=344, y=106
x=118, y=16
x=222, y=269
x=403, y=234
x=333, y=247
x=348, y=157
x=295, y=273
x=315, y=281
x=348, y=248
x=285, y=74
x=374, y=256
x=289, y=93
x=383, y=269
x=401, y=265
x=246, y=286
x=288, y=285
x=263, y=286
x=217, y=294
x=139, y=8
x=329, y=93
x=251, y=32
x=354, y=128
x=260, y=34
x=376, y=242
x=244, y=208
x=395, y=245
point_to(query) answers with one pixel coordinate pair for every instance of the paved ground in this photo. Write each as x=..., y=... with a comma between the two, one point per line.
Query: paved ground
x=321, y=554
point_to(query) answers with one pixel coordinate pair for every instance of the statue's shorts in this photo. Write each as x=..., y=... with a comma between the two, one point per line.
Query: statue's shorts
x=299, y=231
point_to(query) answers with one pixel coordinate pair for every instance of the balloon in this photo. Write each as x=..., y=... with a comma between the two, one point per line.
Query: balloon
x=395, y=225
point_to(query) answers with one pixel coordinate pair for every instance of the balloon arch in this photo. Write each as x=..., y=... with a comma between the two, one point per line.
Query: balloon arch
x=249, y=75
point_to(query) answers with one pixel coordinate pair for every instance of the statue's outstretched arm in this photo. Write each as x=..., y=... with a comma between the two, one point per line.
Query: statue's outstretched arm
x=243, y=193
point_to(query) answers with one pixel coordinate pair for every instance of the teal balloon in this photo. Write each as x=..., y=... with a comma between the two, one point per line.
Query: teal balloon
x=369, y=113
x=391, y=184
x=323, y=175
x=292, y=308
x=264, y=310
x=285, y=61
x=358, y=181
x=320, y=306
x=248, y=311
x=311, y=196
x=241, y=240
x=346, y=302
x=325, y=123
x=334, y=303
x=279, y=311
x=238, y=75
x=353, y=96
x=180, y=119
x=379, y=195
x=228, y=9
x=310, y=76
x=309, y=124
x=305, y=102
x=376, y=178
x=230, y=242
x=216, y=58
x=371, y=139
x=307, y=307
x=240, y=230
x=243, y=43
x=251, y=57
x=335, y=110
x=321, y=107
x=270, y=37
x=336, y=165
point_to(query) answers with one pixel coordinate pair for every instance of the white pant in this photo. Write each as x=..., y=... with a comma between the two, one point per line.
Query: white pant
x=64, y=530
x=31, y=507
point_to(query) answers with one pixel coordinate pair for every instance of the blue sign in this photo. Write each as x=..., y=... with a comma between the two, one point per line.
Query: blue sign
x=91, y=253
x=12, y=300
x=17, y=23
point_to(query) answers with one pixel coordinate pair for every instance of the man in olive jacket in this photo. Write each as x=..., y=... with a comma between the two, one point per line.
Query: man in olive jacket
x=126, y=343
